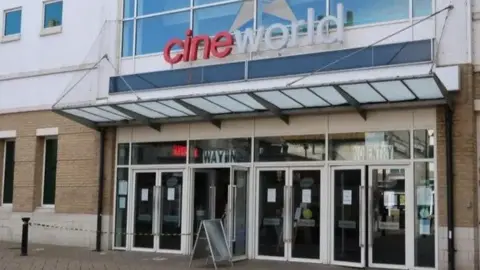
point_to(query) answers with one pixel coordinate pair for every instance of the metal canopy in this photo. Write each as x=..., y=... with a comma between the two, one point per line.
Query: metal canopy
x=279, y=102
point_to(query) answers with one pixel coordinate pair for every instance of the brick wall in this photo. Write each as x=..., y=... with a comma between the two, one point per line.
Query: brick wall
x=465, y=176
x=77, y=163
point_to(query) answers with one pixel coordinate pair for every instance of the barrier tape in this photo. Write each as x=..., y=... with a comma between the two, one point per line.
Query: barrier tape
x=50, y=226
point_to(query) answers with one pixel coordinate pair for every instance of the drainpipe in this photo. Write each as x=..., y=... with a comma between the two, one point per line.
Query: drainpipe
x=101, y=184
x=449, y=167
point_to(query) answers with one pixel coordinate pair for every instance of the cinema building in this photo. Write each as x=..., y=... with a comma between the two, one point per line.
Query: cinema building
x=324, y=131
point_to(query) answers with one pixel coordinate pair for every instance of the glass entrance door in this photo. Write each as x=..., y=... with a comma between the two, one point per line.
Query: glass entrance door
x=237, y=214
x=157, y=215
x=387, y=211
x=348, y=200
x=288, y=222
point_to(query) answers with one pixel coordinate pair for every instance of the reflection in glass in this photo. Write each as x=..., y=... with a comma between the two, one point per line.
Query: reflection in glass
x=347, y=215
x=128, y=8
x=290, y=148
x=143, y=210
x=171, y=210
x=212, y=20
x=153, y=33
x=306, y=214
x=422, y=8
x=388, y=221
x=127, y=38
x=425, y=214
x=370, y=145
x=145, y=7
x=13, y=22
x=218, y=151
x=271, y=213
x=424, y=143
x=123, y=154
x=53, y=14
x=159, y=153
x=371, y=11
x=240, y=205
x=121, y=207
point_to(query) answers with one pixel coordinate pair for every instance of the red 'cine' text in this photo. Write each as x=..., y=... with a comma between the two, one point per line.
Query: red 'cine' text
x=219, y=46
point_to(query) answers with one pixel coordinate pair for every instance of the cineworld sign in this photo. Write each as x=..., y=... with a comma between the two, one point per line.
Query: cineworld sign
x=221, y=45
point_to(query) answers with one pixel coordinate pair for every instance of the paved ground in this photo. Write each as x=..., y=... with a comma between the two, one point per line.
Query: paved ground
x=65, y=258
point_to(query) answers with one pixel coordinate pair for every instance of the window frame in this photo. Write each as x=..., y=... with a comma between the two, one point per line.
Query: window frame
x=11, y=37
x=192, y=8
x=45, y=139
x=45, y=31
x=4, y=162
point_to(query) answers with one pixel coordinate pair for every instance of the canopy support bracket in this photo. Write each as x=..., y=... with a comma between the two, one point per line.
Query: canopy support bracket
x=141, y=118
x=271, y=107
x=202, y=113
x=352, y=101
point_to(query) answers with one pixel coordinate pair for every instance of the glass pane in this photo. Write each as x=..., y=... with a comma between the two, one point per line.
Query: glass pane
x=230, y=103
x=142, y=110
x=278, y=99
x=386, y=145
x=128, y=8
x=306, y=218
x=425, y=212
x=306, y=97
x=127, y=38
x=110, y=109
x=329, y=94
x=172, y=104
x=53, y=14
x=371, y=11
x=13, y=22
x=290, y=148
x=163, y=109
x=247, y=100
x=347, y=215
x=171, y=212
x=148, y=39
x=206, y=105
x=212, y=20
x=204, y=2
x=424, y=143
x=143, y=210
x=424, y=88
x=287, y=11
x=240, y=206
x=86, y=115
x=50, y=176
x=363, y=93
x=388, y=210
x=121, y=208
x=145, y=7
x=9, y=171
x=123, y=153
x=159, y=153
x=270, y=213
x=102, y=113
x=393, y=90
x=218, y=151
x=422, y=8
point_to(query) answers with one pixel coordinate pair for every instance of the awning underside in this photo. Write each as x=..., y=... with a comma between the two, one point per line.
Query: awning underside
x=278, y=102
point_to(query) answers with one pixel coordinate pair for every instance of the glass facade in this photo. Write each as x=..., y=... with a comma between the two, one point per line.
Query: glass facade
x=156, y=22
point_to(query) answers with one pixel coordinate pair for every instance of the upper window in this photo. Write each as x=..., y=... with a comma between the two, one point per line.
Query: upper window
x=12, y=22
x=53, y=13
x=155, y=22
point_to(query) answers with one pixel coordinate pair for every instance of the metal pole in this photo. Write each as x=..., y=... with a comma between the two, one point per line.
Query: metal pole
x=101, y=184
x=24, y=249
x=450, y=191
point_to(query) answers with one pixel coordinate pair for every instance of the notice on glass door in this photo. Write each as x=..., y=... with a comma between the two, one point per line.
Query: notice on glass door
x=347, y=197
x=271, y=195
x=144, y=194
x=122, y=187
x=306, y=196
x=122, y=203
x=171, y=194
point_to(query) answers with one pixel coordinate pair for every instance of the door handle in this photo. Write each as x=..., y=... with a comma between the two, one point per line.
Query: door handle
x=361, y=195
x=234, y=221
x=290, y=210
x=370, y=217
x=285, y=211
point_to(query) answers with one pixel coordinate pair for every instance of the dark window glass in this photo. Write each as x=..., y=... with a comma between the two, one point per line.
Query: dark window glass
x=369, y=145
x=9, y=172
x=290, y=148
x=50, y=176
x=220, y=150
x=123, y=154
x=121, y=208
x=13, y=22
x=159, y=153
x=53, y=14
x=424, y=143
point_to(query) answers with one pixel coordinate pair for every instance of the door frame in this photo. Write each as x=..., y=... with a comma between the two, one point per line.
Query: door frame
x=232, y=196
x=157, y=200
x=362, y=236
x=409, y=230
x=288, y=213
